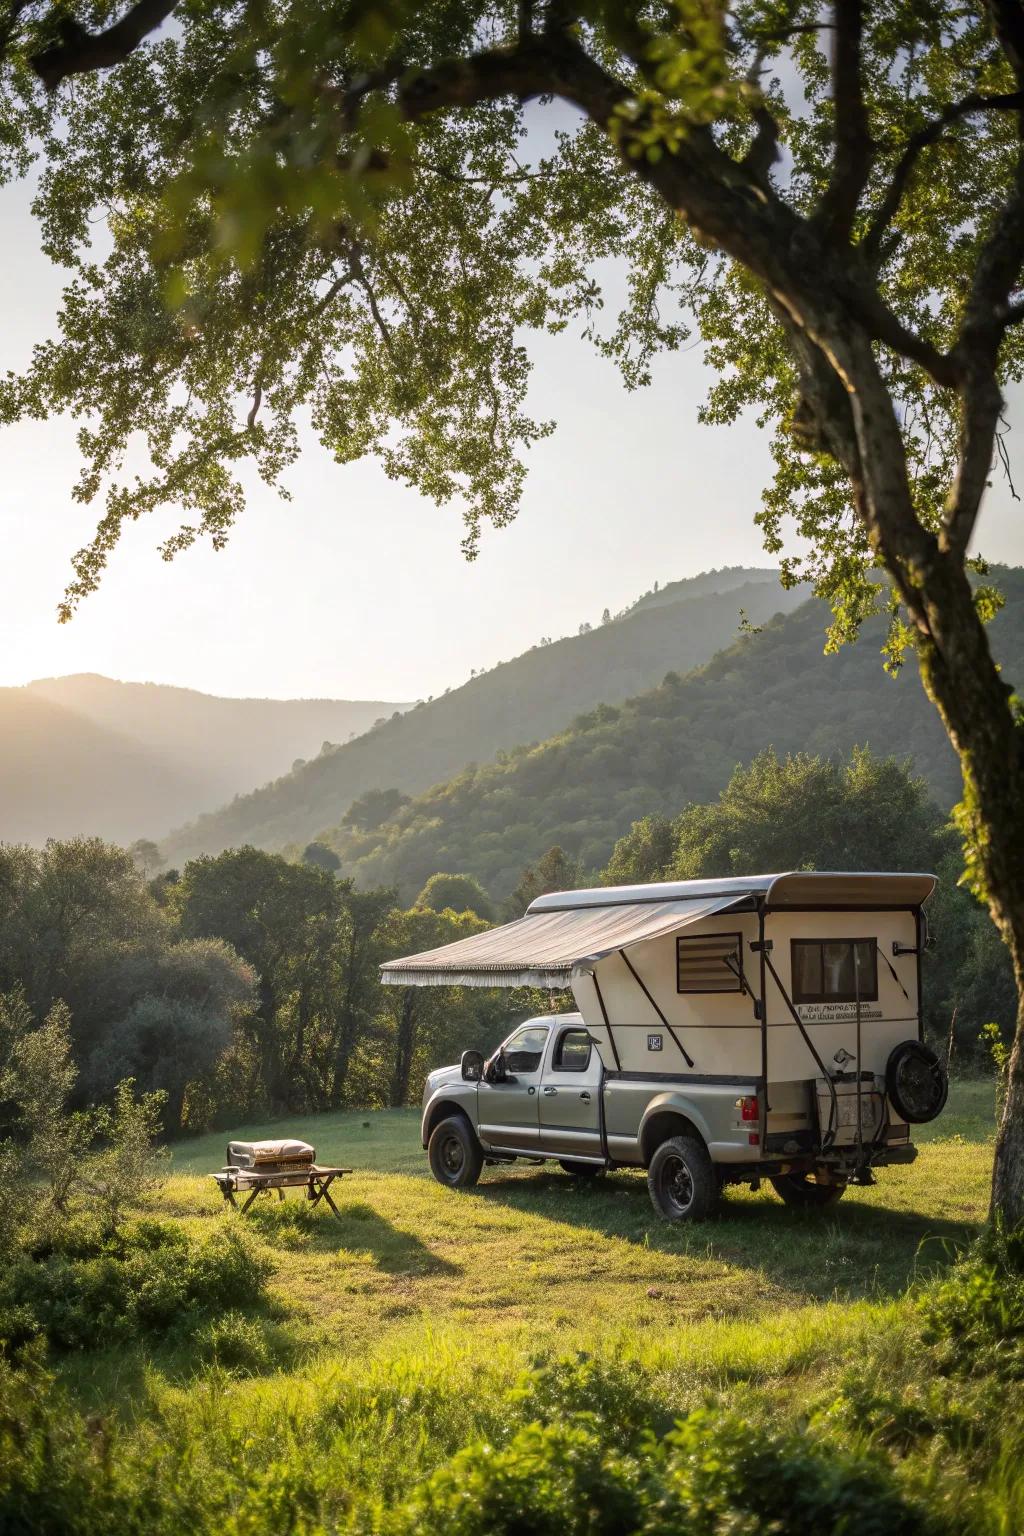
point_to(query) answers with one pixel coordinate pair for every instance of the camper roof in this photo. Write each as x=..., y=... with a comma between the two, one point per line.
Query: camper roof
x=570, y=929
x=798, y=888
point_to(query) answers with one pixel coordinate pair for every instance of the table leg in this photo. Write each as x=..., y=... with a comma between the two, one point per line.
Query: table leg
x=251, y=1198
x=326, y=1192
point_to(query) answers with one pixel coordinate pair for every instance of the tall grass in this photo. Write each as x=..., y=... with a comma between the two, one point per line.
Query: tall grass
x=518, y=1360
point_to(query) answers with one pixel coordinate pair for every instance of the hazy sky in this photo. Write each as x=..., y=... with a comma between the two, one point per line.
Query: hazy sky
x=357, y=588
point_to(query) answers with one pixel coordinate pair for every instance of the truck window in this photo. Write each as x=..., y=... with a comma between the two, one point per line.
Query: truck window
x=525, y=1048
x=834, y=970
x=709, y=962
x=572, y=1053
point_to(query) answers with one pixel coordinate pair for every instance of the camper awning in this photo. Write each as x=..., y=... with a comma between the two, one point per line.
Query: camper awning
x=543, y=948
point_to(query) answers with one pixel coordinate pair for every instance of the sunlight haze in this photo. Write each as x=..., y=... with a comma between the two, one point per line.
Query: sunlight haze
x=358, y=587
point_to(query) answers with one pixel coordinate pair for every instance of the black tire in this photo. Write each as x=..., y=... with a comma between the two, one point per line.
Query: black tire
x=454, y=1153
x=804, y=1193
x=682, y=1180
x=580, y=1170
x=916, y=1082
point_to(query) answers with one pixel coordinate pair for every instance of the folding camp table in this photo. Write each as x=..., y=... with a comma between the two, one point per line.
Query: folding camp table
x=315, y=1180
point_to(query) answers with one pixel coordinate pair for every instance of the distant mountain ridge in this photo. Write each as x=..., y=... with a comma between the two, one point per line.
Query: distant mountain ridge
x=62, y=774
x=522, y=700
x=679, y=742
x=726, y=580
x=86, y=753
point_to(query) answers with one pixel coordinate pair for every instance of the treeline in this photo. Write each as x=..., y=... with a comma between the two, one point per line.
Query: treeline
x=245, y=985
x=679, y=742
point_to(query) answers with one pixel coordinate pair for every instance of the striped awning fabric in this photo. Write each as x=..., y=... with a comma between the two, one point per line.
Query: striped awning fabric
x=543, y=948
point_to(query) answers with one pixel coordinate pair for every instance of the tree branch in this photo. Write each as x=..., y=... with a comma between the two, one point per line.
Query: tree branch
x=80, y=52
x=764, y=148
x=1008, y=101
x=1008, y=22
x=851, y=161
x=257, y=401
x=359, y=275
x=986, y=315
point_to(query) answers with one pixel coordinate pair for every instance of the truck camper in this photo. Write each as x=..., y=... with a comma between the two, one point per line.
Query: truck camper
x=726, y=1031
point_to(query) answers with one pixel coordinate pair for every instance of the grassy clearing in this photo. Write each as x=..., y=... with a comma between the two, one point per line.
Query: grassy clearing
x=410, y=1329
x=535, y=1260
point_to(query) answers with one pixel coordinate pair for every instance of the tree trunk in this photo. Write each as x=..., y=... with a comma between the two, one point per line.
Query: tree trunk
x=859, y=427
x=981, y=717
x=405, y=1044
x=1008, y=1174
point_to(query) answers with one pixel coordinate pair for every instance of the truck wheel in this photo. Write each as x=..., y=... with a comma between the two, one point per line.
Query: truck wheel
x=805, y=1193
x=580, y=1170
x=454, y=1153
x=682, y=1180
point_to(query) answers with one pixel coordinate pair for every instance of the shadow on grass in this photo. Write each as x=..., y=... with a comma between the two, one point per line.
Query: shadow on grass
x=358, y=1228
x=852, y=1250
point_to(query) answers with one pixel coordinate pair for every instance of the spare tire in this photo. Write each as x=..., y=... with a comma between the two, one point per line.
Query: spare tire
x=916, y=1082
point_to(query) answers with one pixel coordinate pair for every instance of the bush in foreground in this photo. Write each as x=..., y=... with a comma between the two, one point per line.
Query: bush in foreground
x=901, y=1432
x=87, y=1292
x=715, y=1472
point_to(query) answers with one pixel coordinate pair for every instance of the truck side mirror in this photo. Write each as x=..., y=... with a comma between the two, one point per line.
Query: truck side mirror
x=472, y=1066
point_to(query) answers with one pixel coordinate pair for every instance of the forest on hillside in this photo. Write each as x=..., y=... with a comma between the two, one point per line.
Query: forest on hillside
x=523, y=700
x=678, y=742
x=247, y=985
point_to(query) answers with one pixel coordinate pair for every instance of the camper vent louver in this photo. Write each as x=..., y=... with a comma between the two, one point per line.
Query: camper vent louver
x=710, y=962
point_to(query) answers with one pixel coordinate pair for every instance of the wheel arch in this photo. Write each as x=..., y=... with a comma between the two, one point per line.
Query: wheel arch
x=443, y=1109
x=668, y=1116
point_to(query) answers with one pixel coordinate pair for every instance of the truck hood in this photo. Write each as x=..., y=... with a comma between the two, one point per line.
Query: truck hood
x=442, y=1075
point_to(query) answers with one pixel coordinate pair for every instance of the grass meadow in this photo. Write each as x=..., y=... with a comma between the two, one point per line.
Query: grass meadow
x=399, y=1351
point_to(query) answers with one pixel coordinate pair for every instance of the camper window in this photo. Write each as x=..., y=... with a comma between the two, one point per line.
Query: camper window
x=834, y=970
x=709, y=962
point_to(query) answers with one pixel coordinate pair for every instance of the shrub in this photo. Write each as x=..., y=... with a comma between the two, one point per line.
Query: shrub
x=977, y=1311
x=715, y=1472
x=150, y=1278
x=617, y=1400
x=234, y=1343
x=548, y=1481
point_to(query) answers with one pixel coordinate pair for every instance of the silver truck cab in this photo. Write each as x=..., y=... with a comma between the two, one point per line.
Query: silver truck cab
x=538, y=1097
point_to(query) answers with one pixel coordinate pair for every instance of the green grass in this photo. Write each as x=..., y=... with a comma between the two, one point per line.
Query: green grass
x=532, y=1256
x=406, y=1323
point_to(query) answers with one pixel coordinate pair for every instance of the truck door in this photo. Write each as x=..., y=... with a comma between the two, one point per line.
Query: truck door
x=507, y=1111
x=570, y=1096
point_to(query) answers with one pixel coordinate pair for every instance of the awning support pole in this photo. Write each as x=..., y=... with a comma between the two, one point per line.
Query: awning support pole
x=640, y=983
x=607, y=1021
x=763, y=1116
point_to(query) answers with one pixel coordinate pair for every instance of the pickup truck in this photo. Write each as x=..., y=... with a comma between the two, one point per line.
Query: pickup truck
x=546, y=1094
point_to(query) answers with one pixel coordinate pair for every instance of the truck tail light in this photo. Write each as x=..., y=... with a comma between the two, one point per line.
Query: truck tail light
x=748, y=1107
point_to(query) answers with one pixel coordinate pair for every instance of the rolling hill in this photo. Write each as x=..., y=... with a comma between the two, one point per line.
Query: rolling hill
x=678, y=627
x=675, y=743
x=124, y=760
x=62, y=774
